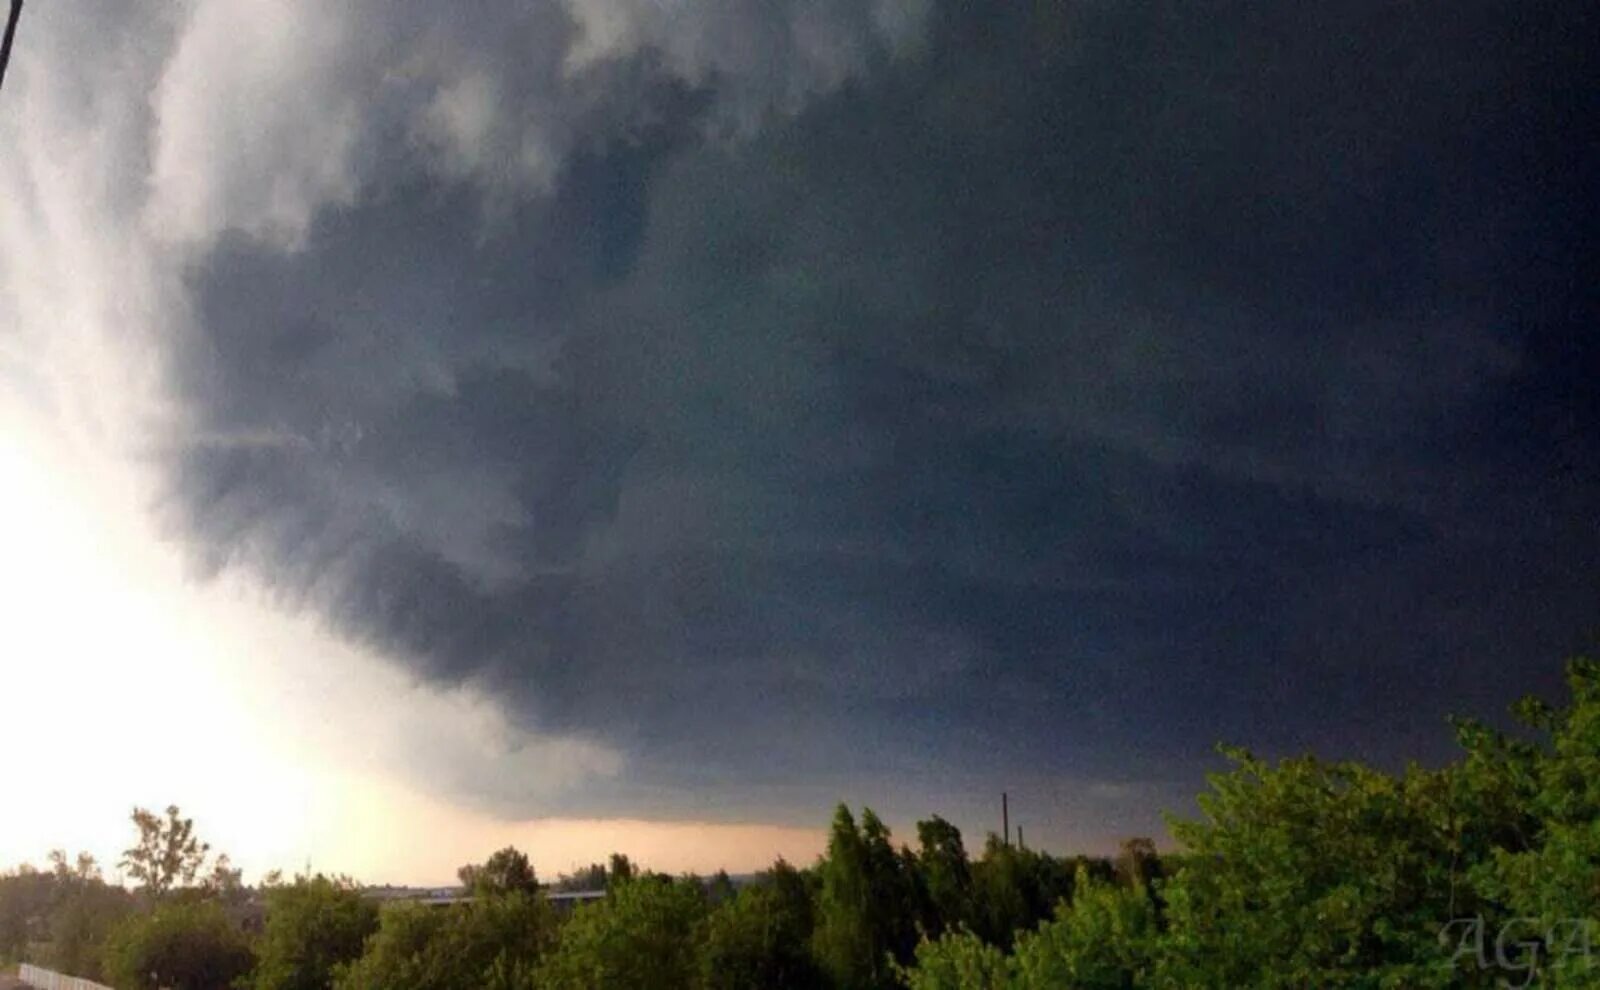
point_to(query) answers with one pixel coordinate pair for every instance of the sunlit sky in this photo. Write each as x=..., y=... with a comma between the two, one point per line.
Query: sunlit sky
x=128, y=682
x=625, y=425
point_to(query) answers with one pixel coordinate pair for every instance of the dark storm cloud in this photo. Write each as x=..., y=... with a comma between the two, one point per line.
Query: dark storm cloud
x=1098, y=381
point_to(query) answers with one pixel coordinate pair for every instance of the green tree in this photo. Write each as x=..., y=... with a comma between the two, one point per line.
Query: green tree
x=1310, y=873
x=178, y=945
x=866, y=908
x=890, y=876
x=403, y=954
x=500, y=939
x=1547, y=871
x=167, y=854
x=759, y=938
x=59, y=918
x=591, y=877
x=1014, y=889
x=313, y=926
x=83, y=914
x=642, y=936
x=26, y=896
x=958, y=961
x=503, y=872
x=1106, y=939
x=621, y=870
x=493, y=943
x=796, y=889
x=945, y=876
x=82, y=869
x=721, y=888
x=1138, y=863
x=844, y=942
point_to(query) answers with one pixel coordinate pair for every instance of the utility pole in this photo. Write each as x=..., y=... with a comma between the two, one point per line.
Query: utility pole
x=1005, y=817
x=1020, y=844
x=11, y=34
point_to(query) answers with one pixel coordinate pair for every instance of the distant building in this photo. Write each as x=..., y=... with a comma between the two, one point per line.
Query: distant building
x=563, y=901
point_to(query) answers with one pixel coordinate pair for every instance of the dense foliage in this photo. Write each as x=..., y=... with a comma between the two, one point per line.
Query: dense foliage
x=179, y=945
x=644, y=936
x=1299, y=873
x=313, y=926
x=60, y=917
x=407, y=951
x=761, y=937
x=493, y=943
x=1104, y=939
x=506, y=871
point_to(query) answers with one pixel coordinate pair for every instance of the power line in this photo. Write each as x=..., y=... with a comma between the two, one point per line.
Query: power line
x=11, y=33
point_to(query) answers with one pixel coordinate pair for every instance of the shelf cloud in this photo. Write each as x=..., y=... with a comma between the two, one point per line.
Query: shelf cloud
x=816, y=394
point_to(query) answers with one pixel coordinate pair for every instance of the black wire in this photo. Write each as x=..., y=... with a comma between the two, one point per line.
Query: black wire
x=11, y=32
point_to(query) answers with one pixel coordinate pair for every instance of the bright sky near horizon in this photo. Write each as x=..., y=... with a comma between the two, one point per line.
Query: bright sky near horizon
x=144, y=686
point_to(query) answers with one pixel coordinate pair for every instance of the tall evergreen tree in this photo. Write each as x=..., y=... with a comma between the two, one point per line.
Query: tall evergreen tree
x=866, y=907
x=945, y=877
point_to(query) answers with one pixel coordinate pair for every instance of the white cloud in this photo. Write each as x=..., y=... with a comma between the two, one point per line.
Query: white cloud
x=764, y=55
x=259, y=115
x=267, y=111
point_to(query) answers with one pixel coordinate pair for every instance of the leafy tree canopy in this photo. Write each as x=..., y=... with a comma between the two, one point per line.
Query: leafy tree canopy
x=178, y=945
x=643, y=936
x=503, y=872
x=313, y=926
x=167, y=854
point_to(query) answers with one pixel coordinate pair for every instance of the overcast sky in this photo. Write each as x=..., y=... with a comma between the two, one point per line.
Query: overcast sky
x=591, y=421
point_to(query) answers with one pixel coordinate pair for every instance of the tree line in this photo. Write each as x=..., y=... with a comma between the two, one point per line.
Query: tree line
x=1299, y=873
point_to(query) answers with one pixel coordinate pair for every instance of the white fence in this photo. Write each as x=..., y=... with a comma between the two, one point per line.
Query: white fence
x=44, y=979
